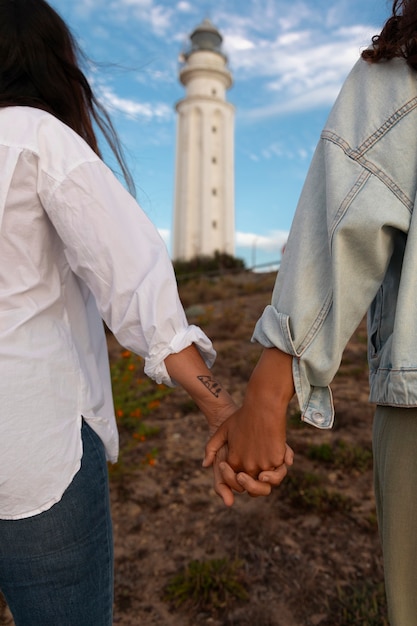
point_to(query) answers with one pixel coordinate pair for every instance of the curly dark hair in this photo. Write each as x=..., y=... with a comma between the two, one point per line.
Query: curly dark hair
x=398, y=37
x=40, y=66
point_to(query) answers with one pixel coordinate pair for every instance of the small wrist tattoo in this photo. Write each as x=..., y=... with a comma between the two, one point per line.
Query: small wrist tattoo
x=213, y=386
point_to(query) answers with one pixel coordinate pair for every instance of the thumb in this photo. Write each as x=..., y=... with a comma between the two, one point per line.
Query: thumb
x=214, y=444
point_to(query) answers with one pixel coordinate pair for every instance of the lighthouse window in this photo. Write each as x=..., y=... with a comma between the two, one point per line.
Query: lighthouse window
x=214, y=192
x=213, y=160
x=213, y=92
x=214, y=224
x=214, y=129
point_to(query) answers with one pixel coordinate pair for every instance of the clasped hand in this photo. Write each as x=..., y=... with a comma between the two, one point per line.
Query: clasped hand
x=248, y=453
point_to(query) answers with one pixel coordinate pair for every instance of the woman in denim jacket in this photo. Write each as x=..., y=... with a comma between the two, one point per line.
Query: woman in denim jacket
x=352, y=250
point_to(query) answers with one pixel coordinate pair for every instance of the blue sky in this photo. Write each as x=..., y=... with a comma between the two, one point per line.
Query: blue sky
x=288, y=60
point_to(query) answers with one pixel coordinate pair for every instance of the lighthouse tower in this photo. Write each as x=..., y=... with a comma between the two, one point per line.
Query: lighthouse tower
x=204, y=183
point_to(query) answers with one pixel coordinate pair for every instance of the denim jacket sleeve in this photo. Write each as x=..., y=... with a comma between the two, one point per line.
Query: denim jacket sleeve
x=339, y=248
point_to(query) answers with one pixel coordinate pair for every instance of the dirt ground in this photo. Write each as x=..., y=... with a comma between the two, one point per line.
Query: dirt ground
x=308, y=555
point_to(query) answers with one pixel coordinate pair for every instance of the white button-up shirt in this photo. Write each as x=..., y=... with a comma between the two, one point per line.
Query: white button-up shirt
x=75, y=247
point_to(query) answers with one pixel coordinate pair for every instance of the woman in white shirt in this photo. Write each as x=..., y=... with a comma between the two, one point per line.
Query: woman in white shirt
x=74, y=248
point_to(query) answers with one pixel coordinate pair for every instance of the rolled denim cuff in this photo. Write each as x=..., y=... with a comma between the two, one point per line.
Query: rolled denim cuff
x=316, y=403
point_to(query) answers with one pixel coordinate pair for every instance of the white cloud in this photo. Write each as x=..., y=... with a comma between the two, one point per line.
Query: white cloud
x=159, y=17
x=133, y=109
x=150, y=74
x=298, y=54
x=141, y=4
x=297, y=13
x=84, y=8
x=185, y=7
x=291, y=50
x=275, y=240
x=237, y=43
x=279, y=150
x=303, y=76
x=282, y=57
x=316, y=98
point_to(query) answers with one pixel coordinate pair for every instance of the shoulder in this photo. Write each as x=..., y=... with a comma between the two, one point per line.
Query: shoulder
x=57, y=147
x=394, y=81
x=381, y=74
x=373, y=95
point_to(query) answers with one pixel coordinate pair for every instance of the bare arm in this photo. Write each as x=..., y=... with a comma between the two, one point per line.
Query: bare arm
x=188, y=369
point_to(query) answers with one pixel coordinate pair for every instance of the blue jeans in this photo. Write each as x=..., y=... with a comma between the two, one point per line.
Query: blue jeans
x=56, y=568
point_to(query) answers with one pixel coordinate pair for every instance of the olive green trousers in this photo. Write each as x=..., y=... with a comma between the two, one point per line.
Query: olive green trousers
x=395, y=476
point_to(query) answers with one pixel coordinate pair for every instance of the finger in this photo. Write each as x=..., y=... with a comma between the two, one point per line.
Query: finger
x=289, y=455
x=229, y=477
x=220, y=487
x=274, y=477
x=213, y=445
x=225, y=493
x=255, y=488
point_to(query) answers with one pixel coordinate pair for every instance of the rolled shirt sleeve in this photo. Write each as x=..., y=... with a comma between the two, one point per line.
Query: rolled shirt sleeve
x=118, y=253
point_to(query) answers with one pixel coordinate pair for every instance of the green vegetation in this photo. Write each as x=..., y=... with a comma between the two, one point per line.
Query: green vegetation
x=203, y=265
x=342, y=455
x=305, y=491
x=363, y=604
x=211, y=584
x=135, y=397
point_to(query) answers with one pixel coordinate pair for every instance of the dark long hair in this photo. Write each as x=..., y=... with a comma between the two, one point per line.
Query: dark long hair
x=398, y=37
x=40, y=66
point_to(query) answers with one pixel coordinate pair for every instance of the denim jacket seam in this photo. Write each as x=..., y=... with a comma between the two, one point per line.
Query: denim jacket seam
x=286, y=333
x=316, y=325
x=357, y=155
x=380, y=132
x=397, y=370
x=349, y=198
x=391, y=121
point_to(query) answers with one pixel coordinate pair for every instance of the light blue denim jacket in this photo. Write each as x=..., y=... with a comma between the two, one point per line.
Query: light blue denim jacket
x=352, y=248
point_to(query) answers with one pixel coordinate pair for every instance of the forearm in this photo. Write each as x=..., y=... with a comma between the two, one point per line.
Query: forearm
x=187, y=368
x=271, y=384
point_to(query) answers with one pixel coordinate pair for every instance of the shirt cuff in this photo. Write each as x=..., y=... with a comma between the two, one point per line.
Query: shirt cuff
x=155, y=366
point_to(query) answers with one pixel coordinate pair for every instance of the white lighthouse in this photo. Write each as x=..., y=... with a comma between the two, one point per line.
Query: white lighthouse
x=204, y=184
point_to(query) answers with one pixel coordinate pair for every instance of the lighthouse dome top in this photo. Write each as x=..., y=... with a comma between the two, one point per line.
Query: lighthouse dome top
x=206, y=37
